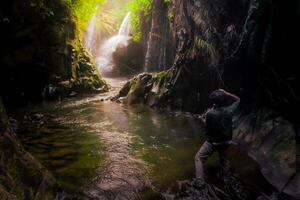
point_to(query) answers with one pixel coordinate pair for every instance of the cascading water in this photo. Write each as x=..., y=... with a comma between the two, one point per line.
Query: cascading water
x=90, y=34
x=124, y=28
x=104, y=59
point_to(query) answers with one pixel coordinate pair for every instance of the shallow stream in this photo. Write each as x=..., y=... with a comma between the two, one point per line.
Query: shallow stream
x=100, y=149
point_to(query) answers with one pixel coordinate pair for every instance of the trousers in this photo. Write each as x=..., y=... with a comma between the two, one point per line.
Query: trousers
x=206, y=150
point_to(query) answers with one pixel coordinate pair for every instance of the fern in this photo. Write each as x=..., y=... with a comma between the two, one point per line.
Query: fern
x=209, y=48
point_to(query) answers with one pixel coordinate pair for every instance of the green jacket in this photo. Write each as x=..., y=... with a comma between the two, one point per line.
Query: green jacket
x=218, y=123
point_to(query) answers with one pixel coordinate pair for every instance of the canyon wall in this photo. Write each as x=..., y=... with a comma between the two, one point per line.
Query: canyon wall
x=246, y=47
x=243, y=46
x=160, y=44
x=41, y=46
x=21, y=175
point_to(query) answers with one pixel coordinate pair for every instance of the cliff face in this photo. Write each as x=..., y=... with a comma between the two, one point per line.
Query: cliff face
x=203, y=34
x=245, y=47
x=262, y=68
x=40, y=47
x=160, y=45
x=21, y=176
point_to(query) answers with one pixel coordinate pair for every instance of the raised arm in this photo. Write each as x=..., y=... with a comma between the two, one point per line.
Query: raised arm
x=230, y=95
x=236, y=101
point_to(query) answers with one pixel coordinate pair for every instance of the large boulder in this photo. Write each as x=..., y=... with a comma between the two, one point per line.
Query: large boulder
x=271, y=140
x=136, y=89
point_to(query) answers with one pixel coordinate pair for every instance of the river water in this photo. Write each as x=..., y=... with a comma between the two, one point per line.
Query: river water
x=100, y=149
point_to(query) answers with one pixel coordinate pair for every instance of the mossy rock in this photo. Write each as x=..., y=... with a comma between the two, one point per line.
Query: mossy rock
x=21, y=176
x=161, y=75
x=86, y=77
x=126, y=88
x=146, y=88
x=137, y=88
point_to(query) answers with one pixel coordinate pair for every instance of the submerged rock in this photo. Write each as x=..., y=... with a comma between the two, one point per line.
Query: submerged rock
x=197, y=189
x=230, y=187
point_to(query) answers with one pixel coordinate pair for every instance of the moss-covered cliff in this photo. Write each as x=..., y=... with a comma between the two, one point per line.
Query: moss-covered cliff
x=41, y=46
x=202, y=34
x=243, y=46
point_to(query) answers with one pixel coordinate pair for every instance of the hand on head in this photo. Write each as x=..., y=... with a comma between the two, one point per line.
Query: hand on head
x=228, y=94
x=220, y=97
x=223, y=91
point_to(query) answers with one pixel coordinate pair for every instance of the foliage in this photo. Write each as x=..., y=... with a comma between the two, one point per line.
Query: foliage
x=171, y=11
x=106, y=22
x=110, y=16
x=117, y=9
x=161, y=75
x=83, y=9
x=171, y=16
x=139, y=9
x=209, y=48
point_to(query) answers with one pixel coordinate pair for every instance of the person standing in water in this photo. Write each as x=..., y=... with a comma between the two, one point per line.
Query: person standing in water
x=218, y=130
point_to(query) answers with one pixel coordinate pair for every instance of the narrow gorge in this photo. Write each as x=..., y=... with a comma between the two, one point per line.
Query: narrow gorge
x=107, y=99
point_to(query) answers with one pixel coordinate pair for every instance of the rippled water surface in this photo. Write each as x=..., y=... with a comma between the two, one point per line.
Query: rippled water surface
x=101, y=149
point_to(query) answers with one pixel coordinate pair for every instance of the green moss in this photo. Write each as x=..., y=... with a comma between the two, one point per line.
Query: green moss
x=139, y=89
x=135, y=86
x=85, y=75
x=83, y=9
x=208, y=47
x=161, y=75
x=127, y=87
x=139, y=9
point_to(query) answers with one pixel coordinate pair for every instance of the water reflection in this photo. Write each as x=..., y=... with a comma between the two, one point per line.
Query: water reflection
x=107, y=150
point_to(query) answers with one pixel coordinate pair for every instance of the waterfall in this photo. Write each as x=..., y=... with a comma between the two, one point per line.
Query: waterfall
x=90, y=34
x=106, y=50
x=124, y=28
